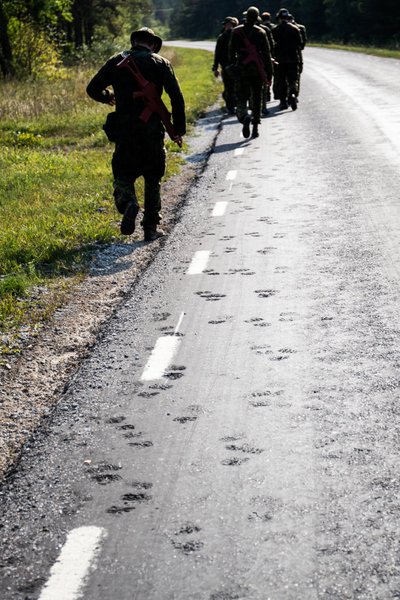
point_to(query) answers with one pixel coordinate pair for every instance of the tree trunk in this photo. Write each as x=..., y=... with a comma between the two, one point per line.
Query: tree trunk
x=6, y=57
x=77, y=23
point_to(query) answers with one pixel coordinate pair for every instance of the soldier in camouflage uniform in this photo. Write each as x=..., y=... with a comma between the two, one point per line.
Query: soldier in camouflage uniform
x=249, y=50
x=303, y=33
x=302, y=29
x=139, y=146
x=221, y=58
x=288, y=55
x=267, y=26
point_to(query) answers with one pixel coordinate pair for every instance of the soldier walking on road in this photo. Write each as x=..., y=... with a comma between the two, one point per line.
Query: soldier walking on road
x=137, y=78
x=249, y=51
x=303, y=33
x=288, y=44
x=221, y=58
x=302, y=29
x=267, y=26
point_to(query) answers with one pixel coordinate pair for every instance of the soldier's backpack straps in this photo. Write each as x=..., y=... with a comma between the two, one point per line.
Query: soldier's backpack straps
x=253, y=55
x=149, y=94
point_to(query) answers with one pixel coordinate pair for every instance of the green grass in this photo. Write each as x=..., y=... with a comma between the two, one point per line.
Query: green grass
x=386, y=53
x=56, y=184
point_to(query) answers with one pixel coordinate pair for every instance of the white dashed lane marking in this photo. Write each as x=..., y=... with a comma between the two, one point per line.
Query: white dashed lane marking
x=199, y=262
x=219, y=209
x=164, y=351
x=231, y=175
x=77, y=558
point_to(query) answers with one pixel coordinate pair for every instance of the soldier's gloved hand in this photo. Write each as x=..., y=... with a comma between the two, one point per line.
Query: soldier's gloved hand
x=216, y=73
x=108, y=97
x=178, y=140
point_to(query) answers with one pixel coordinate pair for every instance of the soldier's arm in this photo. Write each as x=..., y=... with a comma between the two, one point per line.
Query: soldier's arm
x=97, y=87
x=271, y=41
x=172, y=88
x=266, y=55
x=300, y=40
x=217, y=55
x=303, y=32
x=232, y=49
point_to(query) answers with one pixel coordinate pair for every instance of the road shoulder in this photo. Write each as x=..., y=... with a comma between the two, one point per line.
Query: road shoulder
x=34, y=381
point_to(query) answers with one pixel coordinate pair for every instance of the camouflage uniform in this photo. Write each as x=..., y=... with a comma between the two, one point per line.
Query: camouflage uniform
x=250, y=82
x=288, y=55
x=221, y=57
x=266, y=93
x=139, y=146
x=303, y=34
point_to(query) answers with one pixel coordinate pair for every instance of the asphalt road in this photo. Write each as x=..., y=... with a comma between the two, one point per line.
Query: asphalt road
x=235, y=432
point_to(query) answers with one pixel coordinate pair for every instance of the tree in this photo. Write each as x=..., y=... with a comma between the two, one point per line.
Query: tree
x=6, y=55
x=61, y=26
x=202, y=18
x=31, y=16
x=380, y=22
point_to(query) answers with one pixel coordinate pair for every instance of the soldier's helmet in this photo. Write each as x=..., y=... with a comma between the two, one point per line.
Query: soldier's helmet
x=252, y=14
x=146, y=35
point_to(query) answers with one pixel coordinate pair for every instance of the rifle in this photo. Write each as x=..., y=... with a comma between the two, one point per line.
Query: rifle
x=154, y=104
x=253, y=56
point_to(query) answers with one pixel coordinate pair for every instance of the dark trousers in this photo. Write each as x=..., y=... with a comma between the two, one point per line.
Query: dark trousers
x=286, y=80
x=138, y=153
x=249, y=89
x=229, y=91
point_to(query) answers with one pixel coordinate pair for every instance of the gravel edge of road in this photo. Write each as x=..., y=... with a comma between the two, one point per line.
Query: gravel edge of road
x=35, y=380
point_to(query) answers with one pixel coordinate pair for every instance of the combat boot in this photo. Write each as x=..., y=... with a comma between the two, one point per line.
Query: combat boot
x=283, y=105
x=254, y=133
x=293, y=101
x=151, y=234
x=246, y=126
x=128, y=220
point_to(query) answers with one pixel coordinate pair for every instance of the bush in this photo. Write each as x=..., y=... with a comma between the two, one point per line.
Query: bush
x=34, y=55
x=14, y=285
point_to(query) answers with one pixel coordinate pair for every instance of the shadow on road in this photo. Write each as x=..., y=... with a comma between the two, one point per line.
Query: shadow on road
x=231, y=146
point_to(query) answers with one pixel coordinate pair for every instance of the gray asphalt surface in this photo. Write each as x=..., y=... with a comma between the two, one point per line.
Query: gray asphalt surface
x=263, y=461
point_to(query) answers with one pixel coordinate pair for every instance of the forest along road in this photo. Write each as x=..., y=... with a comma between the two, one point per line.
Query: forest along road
x=235, y=432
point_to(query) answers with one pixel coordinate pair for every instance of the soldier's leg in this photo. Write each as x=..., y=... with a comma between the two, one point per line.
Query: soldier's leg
x=265, y=99
x=281, y=88
x=293, y=80
x=243, y=96
x=124, y=176
x=299, y=72
x=154, y=156
x=152, y=203
x=229, y=92
x=257, y=89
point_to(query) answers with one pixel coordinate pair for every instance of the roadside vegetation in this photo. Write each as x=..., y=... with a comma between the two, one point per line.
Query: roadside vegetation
x=382, y=52
x=56, y=187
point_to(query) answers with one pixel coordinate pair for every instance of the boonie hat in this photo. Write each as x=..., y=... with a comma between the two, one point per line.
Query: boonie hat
x=147, y=32
x=232, y=20
x=283, y=13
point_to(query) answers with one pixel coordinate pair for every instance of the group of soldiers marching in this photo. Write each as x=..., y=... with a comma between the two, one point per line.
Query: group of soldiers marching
x=254, y=54
x=251, y=55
